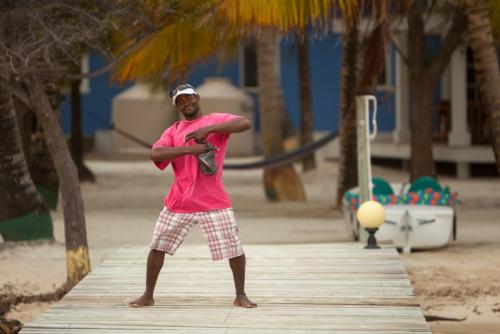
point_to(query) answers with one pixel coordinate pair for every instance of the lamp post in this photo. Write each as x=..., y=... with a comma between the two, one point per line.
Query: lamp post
x=371, y=215
x=364, y=104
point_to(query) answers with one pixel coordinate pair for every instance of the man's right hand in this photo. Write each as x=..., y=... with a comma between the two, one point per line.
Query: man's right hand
x=198, y=149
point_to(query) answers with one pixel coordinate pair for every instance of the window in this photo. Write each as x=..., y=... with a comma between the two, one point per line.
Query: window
x=385, y=77
x=248, y=65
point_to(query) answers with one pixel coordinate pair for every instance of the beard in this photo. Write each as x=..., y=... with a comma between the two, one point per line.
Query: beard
x=191, y=111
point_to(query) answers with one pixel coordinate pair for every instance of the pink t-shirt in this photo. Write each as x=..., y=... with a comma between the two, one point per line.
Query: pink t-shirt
x=192, y=190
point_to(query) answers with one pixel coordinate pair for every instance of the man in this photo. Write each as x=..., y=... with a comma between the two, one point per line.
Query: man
x=197, y=194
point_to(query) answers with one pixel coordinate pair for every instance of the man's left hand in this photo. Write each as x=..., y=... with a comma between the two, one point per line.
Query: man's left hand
x=199, y=135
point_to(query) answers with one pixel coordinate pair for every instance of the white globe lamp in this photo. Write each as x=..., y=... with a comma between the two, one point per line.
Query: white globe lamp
x=371, y=215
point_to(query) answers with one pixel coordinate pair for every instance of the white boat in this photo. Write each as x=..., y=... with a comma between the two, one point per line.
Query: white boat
x=408, y=226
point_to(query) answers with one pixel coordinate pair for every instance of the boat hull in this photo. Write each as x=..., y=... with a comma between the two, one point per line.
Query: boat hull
x=410, y=226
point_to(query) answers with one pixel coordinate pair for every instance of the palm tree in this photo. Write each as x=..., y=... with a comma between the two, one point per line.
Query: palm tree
x=373, y=61
x=371, y=67
x=280, y=183
x=486, y=65
x=18, y=194
x=348, y=172
x=306, y=108
x=16, y=182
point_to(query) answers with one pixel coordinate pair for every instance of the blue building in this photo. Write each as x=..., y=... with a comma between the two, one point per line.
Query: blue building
x=461, y=141
x=325, y=65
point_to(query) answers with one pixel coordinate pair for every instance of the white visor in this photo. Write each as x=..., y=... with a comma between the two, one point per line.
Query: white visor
x=188, y=91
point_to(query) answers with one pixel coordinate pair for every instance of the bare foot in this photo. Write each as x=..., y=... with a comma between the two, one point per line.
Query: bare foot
x=243, y=301
x=142, y=301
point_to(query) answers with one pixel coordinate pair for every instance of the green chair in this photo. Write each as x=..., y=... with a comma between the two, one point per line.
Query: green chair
x=381, y=187
x=33, y=226
x=49, y=195
x=425, y=182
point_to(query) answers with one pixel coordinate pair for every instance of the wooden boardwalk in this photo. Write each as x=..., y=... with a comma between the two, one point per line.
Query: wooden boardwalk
x=309, y=288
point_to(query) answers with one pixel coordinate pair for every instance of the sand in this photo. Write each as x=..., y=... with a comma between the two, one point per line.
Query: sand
x=458, y=281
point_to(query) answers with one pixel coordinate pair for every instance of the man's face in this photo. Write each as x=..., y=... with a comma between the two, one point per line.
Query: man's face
x=188, y=105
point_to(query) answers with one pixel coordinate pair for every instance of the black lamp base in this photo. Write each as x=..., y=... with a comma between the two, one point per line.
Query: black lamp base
x=371, y=242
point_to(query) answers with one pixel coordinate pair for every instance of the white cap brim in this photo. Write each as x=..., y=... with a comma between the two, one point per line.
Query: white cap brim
x=188, y=91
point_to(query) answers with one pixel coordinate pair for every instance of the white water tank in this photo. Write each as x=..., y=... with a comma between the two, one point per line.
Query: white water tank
x=220, y=95
x=141, y=113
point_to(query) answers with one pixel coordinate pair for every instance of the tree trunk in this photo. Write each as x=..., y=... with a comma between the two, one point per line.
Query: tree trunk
x=84, y=173
x=18, y=194
x=306, y=111
x=281, y=183
x=42, y=168
x=422, y=92
x=348, y=171
x=422, y=159
x=77, y=256
x=486, y=66
x=25, y=121
x=424, y=75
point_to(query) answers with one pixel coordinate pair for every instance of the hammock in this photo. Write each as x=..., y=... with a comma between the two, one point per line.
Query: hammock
x=285, y=158
x=266, y=163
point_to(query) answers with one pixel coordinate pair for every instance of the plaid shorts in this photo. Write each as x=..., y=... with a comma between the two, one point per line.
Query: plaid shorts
x=218, y=227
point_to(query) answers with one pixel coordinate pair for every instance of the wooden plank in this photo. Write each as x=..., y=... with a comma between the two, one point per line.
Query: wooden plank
x=320, y=288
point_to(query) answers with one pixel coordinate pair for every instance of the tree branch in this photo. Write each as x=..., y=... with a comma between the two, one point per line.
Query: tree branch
x=63, y=73
x=448, y=45
x=398, y=49
x=15, y=90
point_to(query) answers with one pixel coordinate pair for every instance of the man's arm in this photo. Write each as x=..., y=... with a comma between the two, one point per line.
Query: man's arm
x=169, y=153
x=237, y=125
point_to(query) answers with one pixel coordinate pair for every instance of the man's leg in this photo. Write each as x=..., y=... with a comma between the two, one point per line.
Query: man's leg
x=220, y=230
x=238, y=267
x=155, y=263
x=170, y=230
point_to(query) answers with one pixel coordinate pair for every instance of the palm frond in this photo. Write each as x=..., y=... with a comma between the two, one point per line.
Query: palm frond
x=184, y=41
x=176, y=47
x=283, y=15
x=494, y=6
x=375, y=45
